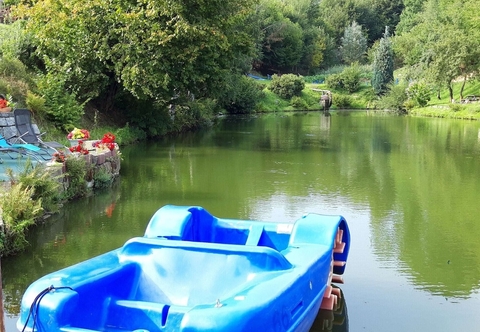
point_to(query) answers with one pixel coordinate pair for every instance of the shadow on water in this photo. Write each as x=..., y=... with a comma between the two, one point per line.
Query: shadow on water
x=335, y=320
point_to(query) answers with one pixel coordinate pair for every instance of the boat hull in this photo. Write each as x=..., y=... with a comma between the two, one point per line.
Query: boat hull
x=195, y=272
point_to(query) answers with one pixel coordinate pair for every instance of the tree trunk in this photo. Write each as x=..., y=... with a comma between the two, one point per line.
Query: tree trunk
x=450, y=90
x=463, y=86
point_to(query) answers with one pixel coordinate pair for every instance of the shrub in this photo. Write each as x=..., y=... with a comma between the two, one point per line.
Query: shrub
x=35, y=103
x=45, y=186
x=196, y=113
x=334, y=82
x=351, y=78
x=287, y=86
x=19, y=211
x=62, y=108
x=299, y=103
x=342, y=101
x=102, y=178
x=241, y=95
x=76, y=174
x=348, y=80
x=456, y=107
x=419, y=92
x=395, y=98
x=128, y=134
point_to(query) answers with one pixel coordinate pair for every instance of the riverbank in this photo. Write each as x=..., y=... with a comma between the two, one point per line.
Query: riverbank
x=35, y=185
x=454, y=111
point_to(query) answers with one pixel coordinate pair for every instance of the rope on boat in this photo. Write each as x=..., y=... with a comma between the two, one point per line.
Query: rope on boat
x=36, y=304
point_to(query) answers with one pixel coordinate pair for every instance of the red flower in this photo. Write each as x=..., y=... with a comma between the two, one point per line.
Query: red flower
x=79, y=148
x=108, y=138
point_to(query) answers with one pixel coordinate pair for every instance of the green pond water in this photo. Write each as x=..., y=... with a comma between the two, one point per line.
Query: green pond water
x=409, y=189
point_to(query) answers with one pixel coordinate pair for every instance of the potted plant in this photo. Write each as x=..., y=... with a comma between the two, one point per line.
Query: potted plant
x=77, y=135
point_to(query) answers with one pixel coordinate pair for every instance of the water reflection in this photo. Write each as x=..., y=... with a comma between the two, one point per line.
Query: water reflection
x=332, y=321
x=408, y=188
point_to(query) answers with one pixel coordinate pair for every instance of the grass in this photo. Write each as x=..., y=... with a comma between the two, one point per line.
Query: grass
x=273, y=103
x=364, y=99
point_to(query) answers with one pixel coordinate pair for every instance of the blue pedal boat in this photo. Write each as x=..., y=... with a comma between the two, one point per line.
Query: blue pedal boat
x=192, y=271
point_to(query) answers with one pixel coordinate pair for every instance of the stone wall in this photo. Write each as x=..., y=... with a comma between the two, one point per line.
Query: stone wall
x=8, y=129
x=7, y=125
x=97, y=160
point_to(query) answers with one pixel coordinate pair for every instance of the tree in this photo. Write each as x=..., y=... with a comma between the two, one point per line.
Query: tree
x=153, y=49
x=444, y=44
x=383, y=65
x=354, y=44
x=409, y=16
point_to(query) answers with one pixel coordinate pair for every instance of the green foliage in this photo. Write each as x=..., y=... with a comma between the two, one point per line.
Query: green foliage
x=35, y=103
x=13, y=40
x=14, y=79
x=342, y=101
x=348, y=79
x=151, y=49
x=241, y=95
x=62, y=108
x=394, y=100
x=383, y=65
x=456, y=107
x=354, y=44
x=282, y=44
x=19, y=212
x=76, y=175
x=127, y=135
x=334, y=82
x=45, y=186
x=299, y=103
x=419, y=92
x=351, y=78
x=287, y=86
x=196, y=113
x=102, y=178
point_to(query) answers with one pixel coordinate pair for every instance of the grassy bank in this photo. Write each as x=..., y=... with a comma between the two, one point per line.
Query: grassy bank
x=364, y=99
x=309, y=100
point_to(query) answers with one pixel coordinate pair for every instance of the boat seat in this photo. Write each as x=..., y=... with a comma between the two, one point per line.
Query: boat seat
x=254, y=235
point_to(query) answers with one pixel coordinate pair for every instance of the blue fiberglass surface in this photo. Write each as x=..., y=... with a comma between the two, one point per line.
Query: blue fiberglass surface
x=194, y=272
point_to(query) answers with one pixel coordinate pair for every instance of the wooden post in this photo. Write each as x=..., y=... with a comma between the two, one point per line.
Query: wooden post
x=2, y=323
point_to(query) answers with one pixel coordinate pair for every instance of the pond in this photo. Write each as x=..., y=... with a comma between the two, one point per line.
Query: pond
x=408, y=188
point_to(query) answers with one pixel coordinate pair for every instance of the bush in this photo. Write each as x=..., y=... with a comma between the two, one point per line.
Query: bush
x=299, y=103
x=35, y=103
x=194, y=114
x=62, y=108
x=456, y=107
x=348, y=79
x=395, y=98
x=351, y=78
x=76, y=175
x=334, y=82
x=241, y=95
x=45, y=186
x=19, y=211
x=102, y=178
x=419, y=92
x=287, y=86
x=342, y=101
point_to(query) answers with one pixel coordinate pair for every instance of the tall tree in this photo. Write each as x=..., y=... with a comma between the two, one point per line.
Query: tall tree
x=354, y=44
x=383, y=65
x=409, y=15
x=153, y=48
x=444, y=44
